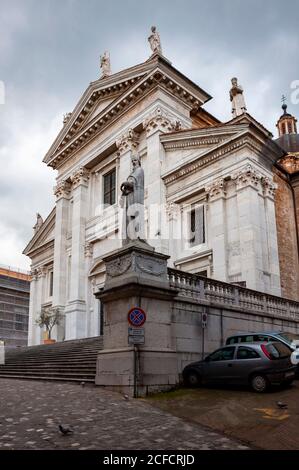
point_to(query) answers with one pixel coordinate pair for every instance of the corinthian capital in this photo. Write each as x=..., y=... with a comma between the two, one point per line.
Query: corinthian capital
x=269, y=187
x=79, y=177
x=62, y=189
x=247, y=177
x=161, y=120
x=128, y=141
x=216, y=189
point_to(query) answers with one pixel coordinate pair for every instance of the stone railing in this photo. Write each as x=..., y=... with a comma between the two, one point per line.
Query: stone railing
x=223, y=294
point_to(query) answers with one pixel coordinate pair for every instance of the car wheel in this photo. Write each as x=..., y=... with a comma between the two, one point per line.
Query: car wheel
x=259, y=383
x=192, y=379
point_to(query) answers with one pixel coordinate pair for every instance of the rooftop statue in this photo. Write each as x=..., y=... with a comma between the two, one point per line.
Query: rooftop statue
x=155, y=41
x=105, y=64
x=237, y=98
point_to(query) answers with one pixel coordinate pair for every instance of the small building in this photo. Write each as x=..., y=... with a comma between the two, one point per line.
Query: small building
x=14, y=306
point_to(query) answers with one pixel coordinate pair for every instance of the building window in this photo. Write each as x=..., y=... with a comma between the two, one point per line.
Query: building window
x=51, y=284
x=197, y=225
x=109, y=187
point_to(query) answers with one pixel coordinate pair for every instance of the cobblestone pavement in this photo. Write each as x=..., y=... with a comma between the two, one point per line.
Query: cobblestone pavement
x=30, y=412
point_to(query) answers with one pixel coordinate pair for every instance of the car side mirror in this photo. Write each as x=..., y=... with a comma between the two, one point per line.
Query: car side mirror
x=207, y=359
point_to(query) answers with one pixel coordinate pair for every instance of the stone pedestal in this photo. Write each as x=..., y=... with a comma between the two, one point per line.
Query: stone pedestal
x=136, y=276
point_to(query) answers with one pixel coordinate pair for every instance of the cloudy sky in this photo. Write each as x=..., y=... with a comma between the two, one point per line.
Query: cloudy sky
x=49, y=52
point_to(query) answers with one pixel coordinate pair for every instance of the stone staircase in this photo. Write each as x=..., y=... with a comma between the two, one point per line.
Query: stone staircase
x=72, y=361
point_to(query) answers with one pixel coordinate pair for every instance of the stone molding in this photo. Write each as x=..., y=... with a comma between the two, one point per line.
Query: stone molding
x=80, y=177
x=34, y=274
x=78, y=131
x=62, y=189
x=39, y=272
x=127, y=142
x=269, y=188
x=172, y=210
x=216, y=189
x=247, y=177
x=149, y=265
x=160, y=120
x=201, y=161
x=187, y=143
x=88, y=250
x=118, y=266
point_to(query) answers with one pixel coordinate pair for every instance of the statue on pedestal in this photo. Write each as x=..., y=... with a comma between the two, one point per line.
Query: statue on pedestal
x=237, y=98
x=132, y=201
x=39, y=223
x=155, y=41
x=105, y=64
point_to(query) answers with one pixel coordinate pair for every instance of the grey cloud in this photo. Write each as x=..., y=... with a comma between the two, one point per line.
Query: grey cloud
x=49, y=52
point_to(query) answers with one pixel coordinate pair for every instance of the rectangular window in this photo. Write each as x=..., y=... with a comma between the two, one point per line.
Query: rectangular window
x=109, y=187
x=51, y=284
x=197, y=225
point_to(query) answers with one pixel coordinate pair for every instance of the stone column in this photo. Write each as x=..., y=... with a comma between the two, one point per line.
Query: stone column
x=158, y=121
x=271, y=233
x=37, y=331
x=62, y=193
x=248, y=187
x=32, y=308
x=75, y=312
x=88, y=252
x=217, y=227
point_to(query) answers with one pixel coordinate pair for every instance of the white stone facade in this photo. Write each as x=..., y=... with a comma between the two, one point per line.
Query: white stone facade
x=191, y=162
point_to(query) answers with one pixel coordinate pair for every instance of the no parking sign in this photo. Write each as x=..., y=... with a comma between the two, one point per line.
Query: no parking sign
x=136, y=316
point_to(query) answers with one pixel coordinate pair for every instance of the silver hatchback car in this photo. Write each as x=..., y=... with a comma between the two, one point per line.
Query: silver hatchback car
x=256, y=364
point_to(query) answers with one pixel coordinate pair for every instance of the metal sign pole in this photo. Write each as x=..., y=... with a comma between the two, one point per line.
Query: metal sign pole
x=135, y=372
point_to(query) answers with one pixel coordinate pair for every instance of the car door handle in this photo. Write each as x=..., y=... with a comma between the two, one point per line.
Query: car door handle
x=229, y=365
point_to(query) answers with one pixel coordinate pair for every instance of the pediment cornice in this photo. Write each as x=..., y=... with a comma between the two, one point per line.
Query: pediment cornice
x=197, y=138
x=127, y=88
x=245, y=138
x=40, y=239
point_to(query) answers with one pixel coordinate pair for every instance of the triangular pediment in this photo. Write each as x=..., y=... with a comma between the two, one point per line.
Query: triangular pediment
x=97, y=109
x=203, y=139
x=246, y=118
x=106, y=98
x=43, y=236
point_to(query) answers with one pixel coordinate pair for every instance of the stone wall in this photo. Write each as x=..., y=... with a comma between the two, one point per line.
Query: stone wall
x=287, y=239
x=192, y=342
x=230, y=309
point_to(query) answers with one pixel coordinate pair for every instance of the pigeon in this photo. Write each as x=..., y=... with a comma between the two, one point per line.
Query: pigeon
x=126, y=397
x=65, y=431
x=82, y=384
x=282, y=406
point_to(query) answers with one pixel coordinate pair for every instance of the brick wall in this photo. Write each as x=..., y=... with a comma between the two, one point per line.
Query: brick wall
x=287, y=237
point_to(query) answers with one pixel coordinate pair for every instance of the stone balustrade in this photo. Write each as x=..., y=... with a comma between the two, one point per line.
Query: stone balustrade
x=211, y=291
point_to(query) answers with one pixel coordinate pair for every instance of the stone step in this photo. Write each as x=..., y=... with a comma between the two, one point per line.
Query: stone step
x=61, y=379
x=73, y=360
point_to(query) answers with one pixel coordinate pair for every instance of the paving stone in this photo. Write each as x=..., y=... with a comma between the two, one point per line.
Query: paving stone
x=100, y=419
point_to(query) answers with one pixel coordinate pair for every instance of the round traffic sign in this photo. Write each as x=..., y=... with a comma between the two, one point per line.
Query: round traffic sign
x=136, y=316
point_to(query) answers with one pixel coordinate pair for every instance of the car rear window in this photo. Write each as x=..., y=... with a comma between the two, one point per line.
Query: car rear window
x=246, y=353
x=277, y=350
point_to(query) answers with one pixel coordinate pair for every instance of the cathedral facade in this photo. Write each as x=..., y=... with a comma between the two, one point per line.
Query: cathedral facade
x=220, y=199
